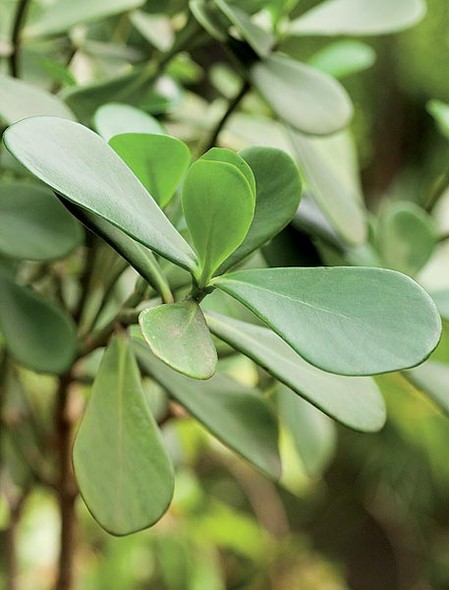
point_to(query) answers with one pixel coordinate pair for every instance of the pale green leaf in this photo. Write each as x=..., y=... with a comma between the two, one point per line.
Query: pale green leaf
x=115, y=118
x=406, y=237
x=432, y=378
x=343, y=58
x=178, y=335
x=359, y=17
x=33, y=223
x=349, y=321
x=62, y=15
x=123, y=471
x=240, y=417
x=158, y=161
x=303, y=97
x=440, y=112
x=61, y=153
x=19, y=100
x=354, y=401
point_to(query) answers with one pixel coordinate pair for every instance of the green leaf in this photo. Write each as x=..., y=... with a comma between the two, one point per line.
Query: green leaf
x=277, y=198
x=349, y=321
x=217, y=154
x=406, y=237
x=260, y=40
x=38, y=334
x=432, y=378
x=62, y=15
x=115, y=119
x=440, y=112
x=303, y=97
x=62, y=153
x=33, y=223
x=312, y=432
x=343, y=58
x=128, y=482
x=178, y=335
x=218, y=204
x=358, y=17
x=332, y=183
x=354, y=401
x=157, y=29
x=441, y=300
x=158, y=161
x=240, y=417
x=19, y=100
x=211, y=19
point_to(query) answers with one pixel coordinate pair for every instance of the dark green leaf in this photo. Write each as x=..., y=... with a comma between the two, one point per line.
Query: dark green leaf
x=158, y=161
x=127, y=483
x=235, y=414
x=354, y=401
x=33, y=223
x=303, y=97
x=178, y=335
x=218, y=204
x=350, y=321
x=358, y=17
x=38, y=334
x=115, y=119
x=277, y=198
x=61, y=153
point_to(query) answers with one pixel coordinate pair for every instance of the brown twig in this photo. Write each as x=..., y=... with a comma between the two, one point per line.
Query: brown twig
x=15, y=37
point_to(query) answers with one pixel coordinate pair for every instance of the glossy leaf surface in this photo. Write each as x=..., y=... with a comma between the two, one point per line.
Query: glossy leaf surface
x=218, y=204
x=33, y=223
x=115, y=119
x=61, y=153
x=127, y=483
x=38, y=334
x=349, y=321
x=359, y=17
x=354, y=401
x=303, y=97
x=62, y=15
x=19, y=100
x=406, y=237
x=158, y=161
x=178, y=335
x=277, y=198
x=235, y=414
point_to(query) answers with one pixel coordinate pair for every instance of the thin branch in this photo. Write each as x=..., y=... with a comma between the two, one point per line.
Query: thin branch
x=233, y=104
x=437, y=191
x=15, y=37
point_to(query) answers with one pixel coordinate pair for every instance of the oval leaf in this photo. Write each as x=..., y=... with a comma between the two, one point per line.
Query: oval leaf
x=79, y=165
x=349, y=321
x=355, y=402
x=128, y=482
x=33, y=223
x=432, y=378
x=303, y=97
x=38, y=334
x=358, y=17
x=158, y=161
x=343, y=58
x=406, y=237
x=277, y=198
x=178, y=335
x=218, y=205
x=19, y=100
x=238, y=416
x=62, y=15
x=217, y=154
x=115, y=119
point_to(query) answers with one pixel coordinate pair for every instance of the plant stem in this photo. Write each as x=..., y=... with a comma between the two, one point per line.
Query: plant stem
x=233, y=104
x=437, y=191
x=67, y=491
x=15, y=37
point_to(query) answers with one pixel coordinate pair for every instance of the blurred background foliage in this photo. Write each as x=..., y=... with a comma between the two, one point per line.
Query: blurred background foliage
x=374, y=515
